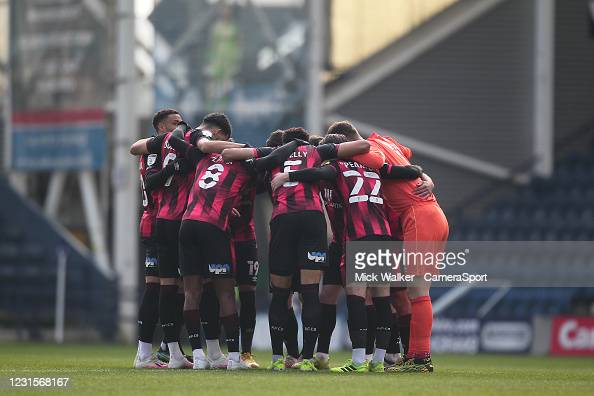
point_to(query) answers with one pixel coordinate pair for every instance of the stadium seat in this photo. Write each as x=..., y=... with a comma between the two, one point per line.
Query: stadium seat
x=29, y=270
x=560, y=208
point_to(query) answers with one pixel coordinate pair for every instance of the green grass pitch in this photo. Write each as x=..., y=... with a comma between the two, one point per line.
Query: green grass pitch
x=105, y=370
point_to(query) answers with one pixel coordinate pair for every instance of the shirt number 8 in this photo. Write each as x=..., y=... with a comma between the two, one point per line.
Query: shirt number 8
x=211, y=176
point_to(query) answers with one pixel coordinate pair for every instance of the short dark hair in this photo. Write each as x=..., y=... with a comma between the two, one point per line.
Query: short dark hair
x=344, y=128
x=335, y=138
x=275, y=139
x=220, y=121
x=162, y=115
x=295, y=133
x=314, y=140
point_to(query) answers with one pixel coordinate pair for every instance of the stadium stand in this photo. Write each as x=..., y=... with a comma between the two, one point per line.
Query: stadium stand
x=28, y=271
x=560, y=208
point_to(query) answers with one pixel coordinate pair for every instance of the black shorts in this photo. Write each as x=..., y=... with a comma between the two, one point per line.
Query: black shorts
x=167, y=232
x=151, y=261
x=205, y=250
x=246, y=263
x=332, y=272
x=297, y=241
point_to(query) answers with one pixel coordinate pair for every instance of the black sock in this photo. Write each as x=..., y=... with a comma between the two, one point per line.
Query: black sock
x=277, y=318
x=209, y=313
x=357, y=321
x=231, y=326
x=404, y=329
x=192, y=320
x=292, y=334
x=167, y=312
x=310, y=318
x=328, y=323
x=247, y=319
x=383, y=321
x=394, y=345
x=148, y=312
x=371, y=323
x=179, y=313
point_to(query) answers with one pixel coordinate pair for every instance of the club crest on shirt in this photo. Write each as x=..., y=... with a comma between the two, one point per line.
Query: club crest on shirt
x=151, y=159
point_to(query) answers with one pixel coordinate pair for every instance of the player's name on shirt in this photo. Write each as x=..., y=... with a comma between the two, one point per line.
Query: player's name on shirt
x=356, y=165
x=218, y=158
x=298, y=154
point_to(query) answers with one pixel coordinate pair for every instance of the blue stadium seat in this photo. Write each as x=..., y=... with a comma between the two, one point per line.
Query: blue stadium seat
x=557, y=209
x=28, y=275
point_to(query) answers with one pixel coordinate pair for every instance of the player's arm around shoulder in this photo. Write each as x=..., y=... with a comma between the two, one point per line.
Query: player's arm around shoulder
x=400, y=172
x=240, y=154
x=351, y=149
x=208, y=146
x=309, y=175
x=277, y=156
x=150, y=145
x=373, y=158
x=140, y=147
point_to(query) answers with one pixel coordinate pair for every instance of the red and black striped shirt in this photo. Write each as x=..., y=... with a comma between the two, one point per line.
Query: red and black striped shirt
x=150, y=200
x=174, y=195
x=335, y=210
x=217, y=189
x=296, y=196
x=242, y=227
x=360, y=190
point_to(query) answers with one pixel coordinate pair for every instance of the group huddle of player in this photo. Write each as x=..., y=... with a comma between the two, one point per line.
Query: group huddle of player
x=197, y=227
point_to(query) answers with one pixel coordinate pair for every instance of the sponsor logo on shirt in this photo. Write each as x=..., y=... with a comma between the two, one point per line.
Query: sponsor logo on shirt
x=150, y=262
